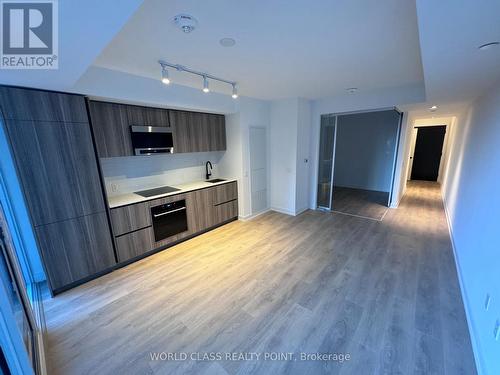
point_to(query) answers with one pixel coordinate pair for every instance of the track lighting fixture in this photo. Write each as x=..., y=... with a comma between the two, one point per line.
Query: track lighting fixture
x=205, y=84
x=165, y=78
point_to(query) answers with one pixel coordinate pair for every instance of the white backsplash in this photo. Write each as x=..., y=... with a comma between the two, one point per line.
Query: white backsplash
x=128, y=174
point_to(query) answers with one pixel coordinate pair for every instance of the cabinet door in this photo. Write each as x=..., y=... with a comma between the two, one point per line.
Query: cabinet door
x=26, y=104
x=110, y=123
x=57, y=167
x=225, y=192
x=134, y=244
x=75, y=249
x=198, y=132
x=226, y=211
x=216, y=132
x=129, y=218
x=147, y=116
x=202, y=211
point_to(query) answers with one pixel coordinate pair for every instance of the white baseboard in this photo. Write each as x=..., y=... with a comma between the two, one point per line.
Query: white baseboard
x=253, y=216
x=470, y=322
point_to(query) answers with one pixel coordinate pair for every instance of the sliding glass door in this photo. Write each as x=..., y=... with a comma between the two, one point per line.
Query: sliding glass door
x=326, y=156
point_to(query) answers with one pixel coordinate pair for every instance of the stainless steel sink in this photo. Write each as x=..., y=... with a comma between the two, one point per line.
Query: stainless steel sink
x=215, y=180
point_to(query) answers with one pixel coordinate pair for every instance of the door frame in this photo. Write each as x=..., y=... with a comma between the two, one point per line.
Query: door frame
x=414, y=142
x=396, y=150
x=250, y=174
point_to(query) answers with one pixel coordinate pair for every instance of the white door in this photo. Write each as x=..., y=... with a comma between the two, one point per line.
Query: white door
x=258, y=169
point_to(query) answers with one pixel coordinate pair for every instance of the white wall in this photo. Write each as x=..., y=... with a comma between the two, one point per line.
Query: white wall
x=472, y=200
x=133, y=173
x=364, y=153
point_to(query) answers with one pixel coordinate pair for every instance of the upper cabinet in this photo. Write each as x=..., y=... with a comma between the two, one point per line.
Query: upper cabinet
x=198, y=132
x=192, y=131
x=111, y=123
x=35, y=105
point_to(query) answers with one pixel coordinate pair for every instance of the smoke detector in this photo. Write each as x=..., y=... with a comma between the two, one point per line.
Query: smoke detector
x=185, y=22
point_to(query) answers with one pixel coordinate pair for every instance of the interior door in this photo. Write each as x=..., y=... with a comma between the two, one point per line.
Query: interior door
x=427, y=155
x=258, y=169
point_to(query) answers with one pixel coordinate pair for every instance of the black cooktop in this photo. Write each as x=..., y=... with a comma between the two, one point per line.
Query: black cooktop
x=156, y=191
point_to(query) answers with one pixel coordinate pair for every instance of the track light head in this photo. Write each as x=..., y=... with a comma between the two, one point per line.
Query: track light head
x=164, y=76
x=205, y=84
x=235, y=92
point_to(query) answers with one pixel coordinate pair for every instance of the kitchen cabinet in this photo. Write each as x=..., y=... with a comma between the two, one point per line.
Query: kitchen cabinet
x=30, y=104
x=75, y=249
x=51, y=142
x=111, y=129
x=134, y=244
x=111, y=124
x=192, y=131
x=198, y=132
x=57, y=168
x=206, y=209
x=130, y=218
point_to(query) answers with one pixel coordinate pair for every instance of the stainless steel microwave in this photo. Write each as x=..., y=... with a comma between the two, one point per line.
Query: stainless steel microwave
x=152, y=140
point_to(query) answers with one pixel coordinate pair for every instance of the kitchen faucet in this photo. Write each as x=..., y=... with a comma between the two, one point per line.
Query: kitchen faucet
x=206, y=167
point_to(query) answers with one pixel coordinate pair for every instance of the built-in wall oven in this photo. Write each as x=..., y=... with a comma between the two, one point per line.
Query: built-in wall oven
x=151, y=140
x=169, y=219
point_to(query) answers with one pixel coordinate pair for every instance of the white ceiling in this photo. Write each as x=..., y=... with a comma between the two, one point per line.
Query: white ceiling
x=294, y=48
x=450, y=32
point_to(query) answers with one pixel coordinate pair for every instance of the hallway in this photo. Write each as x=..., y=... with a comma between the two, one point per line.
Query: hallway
x=386, y=293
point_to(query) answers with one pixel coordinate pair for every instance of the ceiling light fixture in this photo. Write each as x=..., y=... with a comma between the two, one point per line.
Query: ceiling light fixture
x=164, y=65
x=164, y=76
x=205, y=84
x=486, y=46
x=433, y=108
x=227, y=42
x=352, y=90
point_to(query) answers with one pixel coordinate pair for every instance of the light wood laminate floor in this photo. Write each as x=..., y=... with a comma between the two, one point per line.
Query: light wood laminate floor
x=368, y=203
x=384, y=292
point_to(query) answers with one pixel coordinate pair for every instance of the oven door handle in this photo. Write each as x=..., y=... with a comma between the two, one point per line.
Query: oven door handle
x=169, y=212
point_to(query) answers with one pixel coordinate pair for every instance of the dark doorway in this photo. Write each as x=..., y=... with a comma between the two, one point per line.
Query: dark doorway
x=427, y=155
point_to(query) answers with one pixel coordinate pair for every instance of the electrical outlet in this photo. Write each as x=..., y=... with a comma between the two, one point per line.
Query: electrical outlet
x=487, y=302
x=114, y=188
x=496, y=330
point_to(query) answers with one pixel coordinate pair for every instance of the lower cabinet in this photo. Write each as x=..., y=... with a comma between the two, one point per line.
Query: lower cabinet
x=75, y=249
x=226, y=211
x=134, y=244
x=206, y=208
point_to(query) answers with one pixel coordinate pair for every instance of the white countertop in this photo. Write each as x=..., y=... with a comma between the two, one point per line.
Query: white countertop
x=115, y=201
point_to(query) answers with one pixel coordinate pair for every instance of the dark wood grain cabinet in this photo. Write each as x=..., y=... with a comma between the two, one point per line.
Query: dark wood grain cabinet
x=52, y=146
x=57, y=168
x=134, y=244
x=29, y=104
x=75, y=249
x=192, y=131
x=198, y=132
x=206, y=209
x=111, y=123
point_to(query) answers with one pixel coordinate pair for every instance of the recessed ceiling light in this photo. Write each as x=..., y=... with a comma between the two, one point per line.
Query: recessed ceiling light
x=352, y=90
x=488, y=45
x=433, y=108
x=227, y=42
